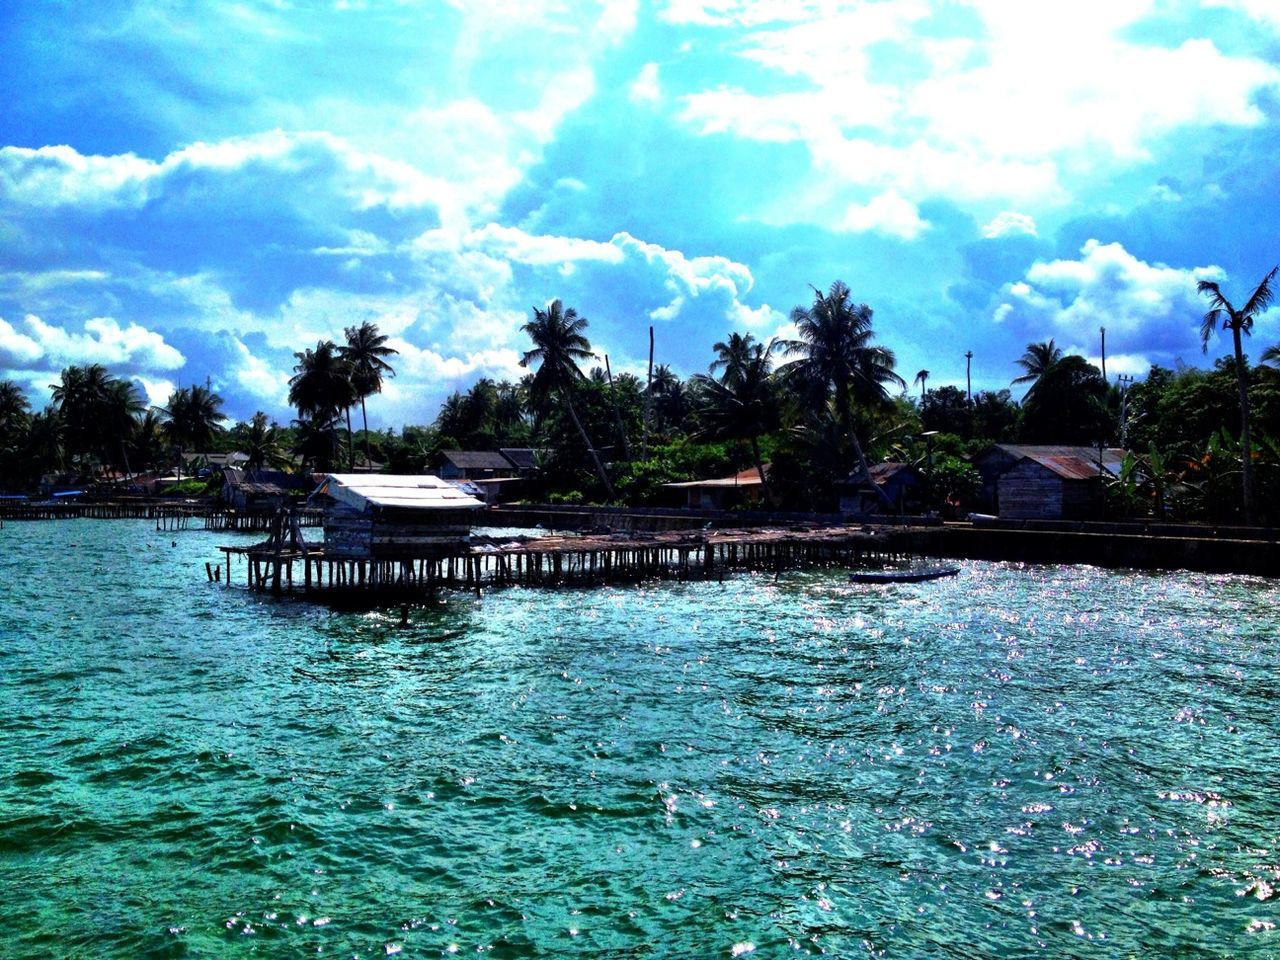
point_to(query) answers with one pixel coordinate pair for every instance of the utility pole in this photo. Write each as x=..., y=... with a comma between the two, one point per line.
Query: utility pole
x=968, y=378
x=1125, y=381
x=1104, y=353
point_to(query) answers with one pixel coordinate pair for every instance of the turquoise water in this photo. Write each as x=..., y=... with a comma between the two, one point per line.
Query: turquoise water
x=1038, y=761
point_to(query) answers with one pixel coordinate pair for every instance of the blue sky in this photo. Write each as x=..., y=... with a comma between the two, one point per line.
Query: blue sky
x=195, y=190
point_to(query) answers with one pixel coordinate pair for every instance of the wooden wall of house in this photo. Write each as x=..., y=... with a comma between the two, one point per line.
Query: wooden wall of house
x=395, y=535
x=1029, y=491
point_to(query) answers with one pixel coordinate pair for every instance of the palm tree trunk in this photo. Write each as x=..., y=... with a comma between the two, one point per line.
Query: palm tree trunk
x=842, y=402
x=364, y=415
x=573, y=415
x=1246, y=449
x=764, y=482
x=351, y=445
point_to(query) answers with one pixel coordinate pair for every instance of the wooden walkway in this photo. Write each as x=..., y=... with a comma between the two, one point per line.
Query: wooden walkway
x=285, y=563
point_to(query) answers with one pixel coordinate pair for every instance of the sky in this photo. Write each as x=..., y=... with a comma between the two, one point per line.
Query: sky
x=192, y=191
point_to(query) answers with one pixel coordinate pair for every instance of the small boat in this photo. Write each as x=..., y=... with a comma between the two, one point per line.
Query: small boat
x=917, y=575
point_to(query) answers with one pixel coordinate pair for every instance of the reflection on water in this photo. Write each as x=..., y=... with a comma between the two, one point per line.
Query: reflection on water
x=1021, y=761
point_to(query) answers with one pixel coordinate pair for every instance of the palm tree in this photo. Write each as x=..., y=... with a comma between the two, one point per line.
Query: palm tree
x=262, y=444
x=1271, y=355
x=558, y=345
x=81, y=396
x=743, y=402
x=1038, y=358
x=123, y=406
x=365, y=353
x=194, y=415
x=922, y=378
x=321, y=387
x=1221, y=311
x=836, y=354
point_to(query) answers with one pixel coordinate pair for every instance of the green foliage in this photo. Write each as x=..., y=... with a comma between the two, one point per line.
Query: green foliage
x=641, y=482
x=194, y=487
x=1068, y=405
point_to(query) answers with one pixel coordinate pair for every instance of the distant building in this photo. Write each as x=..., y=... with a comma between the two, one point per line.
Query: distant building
x=1045, y=482
x=898, y=481
x=525, y=460
x=474, y=465
x=389, y=517
x=263, y=489
x=742, y=489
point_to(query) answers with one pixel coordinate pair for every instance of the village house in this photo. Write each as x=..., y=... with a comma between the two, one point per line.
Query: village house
x=1045, y=482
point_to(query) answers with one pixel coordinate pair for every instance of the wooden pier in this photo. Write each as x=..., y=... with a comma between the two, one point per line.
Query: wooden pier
x=285, y=563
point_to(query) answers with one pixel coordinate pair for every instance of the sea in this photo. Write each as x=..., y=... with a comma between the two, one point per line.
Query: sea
x=1022, y=761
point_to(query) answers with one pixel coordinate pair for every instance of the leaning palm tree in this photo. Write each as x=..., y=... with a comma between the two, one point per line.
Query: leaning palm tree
x=1221, y=311
x=1038, y=358
x=365, y=354
x=836, y=356
x=558, y=345
x=922, y=378
x=742, y=404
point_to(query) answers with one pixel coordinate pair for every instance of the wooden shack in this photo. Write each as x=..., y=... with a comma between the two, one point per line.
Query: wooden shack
x=742, y=489
x=1045, y=482
x=389, y=517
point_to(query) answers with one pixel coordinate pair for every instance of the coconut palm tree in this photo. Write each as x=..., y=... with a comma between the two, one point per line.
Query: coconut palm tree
x=81, y=396
x=321, y=387
x=1038, y=358
x=1239, y=322
x=836, y=356
x=365, y=354
x=193, y=418
x=121, y=410
x=262, y=444
x=743, y=402
x=922, y=378
x=558, y=345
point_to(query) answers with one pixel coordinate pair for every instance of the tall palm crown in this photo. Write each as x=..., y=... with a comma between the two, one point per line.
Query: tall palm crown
x=365, y=354
x=321, y=386
x=1038, y=358
x=194, y=416
x=1239, y=322
x=14, y=409
x=922, y=378
x=836, y=356
x=262, y=443
x=558, y=345
x=81, y=396
x=743, y=402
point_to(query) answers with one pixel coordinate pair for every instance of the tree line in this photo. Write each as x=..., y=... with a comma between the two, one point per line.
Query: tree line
x=806, y=414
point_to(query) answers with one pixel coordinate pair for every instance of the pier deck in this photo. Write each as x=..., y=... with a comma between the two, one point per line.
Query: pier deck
x=561, y=560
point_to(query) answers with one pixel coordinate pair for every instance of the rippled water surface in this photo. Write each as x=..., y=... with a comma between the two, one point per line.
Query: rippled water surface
x=1023, y=761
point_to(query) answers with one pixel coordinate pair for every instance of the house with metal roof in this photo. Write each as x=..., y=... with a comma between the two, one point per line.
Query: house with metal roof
x=474, y=465
x=1045, y=482
x=744, y=488
x=390, y=517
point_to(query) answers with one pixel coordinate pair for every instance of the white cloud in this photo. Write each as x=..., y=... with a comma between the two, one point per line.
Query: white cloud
x=645, y=88
x=1039, y=97
x=17, y=349
x=889, y=213
x=1008, y=222
x=104, y=341
x=1151, y=306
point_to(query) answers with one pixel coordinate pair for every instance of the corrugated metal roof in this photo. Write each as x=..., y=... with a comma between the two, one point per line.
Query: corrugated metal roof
x=477, y=459
x=360, y=490
x=1068, y=462
x=749, y=477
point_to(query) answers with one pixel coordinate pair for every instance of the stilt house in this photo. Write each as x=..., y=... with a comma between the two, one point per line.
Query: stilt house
x=388, y=517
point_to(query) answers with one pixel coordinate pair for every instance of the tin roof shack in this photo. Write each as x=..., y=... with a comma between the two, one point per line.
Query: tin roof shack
x=1023, y=482
x=474, y=465
x=899, y=481
x=742, y=489
x=388, y=517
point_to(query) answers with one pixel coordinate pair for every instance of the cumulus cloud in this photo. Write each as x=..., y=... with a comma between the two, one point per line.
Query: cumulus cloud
x=1011, y=101
x=889, y=213
x=103, y=341
x=1007, y=222
x=1151, y=309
